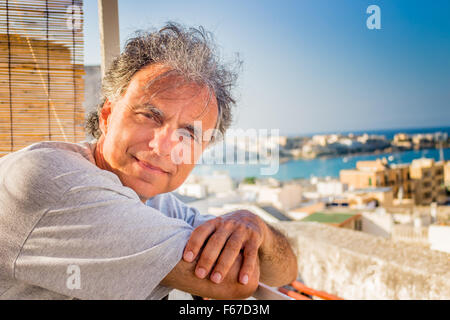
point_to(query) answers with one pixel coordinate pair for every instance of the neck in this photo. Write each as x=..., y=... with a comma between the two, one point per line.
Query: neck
x=143, y=199
x=98, y=155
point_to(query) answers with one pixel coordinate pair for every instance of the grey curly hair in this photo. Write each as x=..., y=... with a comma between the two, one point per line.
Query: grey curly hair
x=189, y=52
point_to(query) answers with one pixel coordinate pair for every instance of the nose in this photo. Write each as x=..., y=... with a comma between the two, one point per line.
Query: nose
x=162, y=142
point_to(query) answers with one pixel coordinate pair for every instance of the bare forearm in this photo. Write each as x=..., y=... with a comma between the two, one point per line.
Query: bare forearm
x=278, y=263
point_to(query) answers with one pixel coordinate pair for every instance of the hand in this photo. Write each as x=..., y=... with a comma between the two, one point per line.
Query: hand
x=225, y=237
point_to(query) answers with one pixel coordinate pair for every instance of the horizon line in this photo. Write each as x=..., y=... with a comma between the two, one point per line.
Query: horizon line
x=399, y=129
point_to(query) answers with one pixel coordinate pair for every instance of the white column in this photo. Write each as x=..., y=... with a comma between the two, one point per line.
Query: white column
x=108, y=17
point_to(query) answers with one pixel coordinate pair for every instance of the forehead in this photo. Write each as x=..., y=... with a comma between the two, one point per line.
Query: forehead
x=169, y=91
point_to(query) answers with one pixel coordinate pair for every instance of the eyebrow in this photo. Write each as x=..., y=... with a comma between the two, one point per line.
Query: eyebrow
x=190, y=128
x=159, y=114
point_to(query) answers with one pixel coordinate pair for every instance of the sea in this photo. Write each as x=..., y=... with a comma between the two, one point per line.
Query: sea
x=330, y=167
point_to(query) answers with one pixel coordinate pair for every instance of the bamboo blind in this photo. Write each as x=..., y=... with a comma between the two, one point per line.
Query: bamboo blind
x=41, y=72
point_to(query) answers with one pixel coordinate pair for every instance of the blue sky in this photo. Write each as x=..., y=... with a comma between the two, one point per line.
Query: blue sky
x=313, y=65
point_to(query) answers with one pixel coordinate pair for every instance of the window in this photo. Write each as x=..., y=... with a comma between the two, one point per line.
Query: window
x=358, y=224
x=427, y=184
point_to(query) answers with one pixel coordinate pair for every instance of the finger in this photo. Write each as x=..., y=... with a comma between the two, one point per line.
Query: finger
x=197, y=240
x=211, y=252
x=227, y=257
x=249, y=261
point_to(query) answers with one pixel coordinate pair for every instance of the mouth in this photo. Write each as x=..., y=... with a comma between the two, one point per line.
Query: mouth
x=150, y=168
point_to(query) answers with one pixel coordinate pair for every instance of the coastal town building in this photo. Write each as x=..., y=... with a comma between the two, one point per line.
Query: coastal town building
x=373, y=142
x=378, y=223
x=428, y=181
x=195, y=190
x=422, y=180
x=402, y=141
x=369, y=197
x=416, y=233
x=367, y=174
x=447, y=174
x=219, y=182
x=283, y=196
x=378, y=174
x=330, y=187
x=286, y=197
x=423, y=141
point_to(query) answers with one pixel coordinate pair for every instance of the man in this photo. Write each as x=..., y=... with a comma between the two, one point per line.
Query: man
x=97, y=220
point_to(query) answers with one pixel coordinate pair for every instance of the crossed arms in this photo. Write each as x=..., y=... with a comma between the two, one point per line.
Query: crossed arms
x=226, y=258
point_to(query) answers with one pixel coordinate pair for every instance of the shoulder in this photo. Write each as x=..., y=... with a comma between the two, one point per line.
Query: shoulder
x=42, y=162
x=47, y=172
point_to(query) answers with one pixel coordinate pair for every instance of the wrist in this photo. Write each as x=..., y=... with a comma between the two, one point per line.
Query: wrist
x=267, y=243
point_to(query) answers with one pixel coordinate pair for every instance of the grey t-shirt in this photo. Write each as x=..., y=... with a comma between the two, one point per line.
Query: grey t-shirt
x=71, y=230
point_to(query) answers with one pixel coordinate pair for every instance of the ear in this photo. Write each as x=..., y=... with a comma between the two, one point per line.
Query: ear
x=103, y=116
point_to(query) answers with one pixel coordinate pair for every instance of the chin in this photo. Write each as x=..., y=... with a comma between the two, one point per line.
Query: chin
x=144, y=189
x=148, y=192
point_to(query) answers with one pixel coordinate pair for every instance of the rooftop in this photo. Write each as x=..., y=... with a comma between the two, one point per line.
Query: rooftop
x=275, y=213
x=370, y=189
x=332, y=218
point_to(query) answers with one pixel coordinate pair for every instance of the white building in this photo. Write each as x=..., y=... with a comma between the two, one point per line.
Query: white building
x=439, y=238
x=201, y=186
x=195, y=190
x=259, y=211
x=285, y=197
x=320, y=140
x=270, y=191
x=330, y=188
x=218, y=183
x=377, y=223
x=192, y=187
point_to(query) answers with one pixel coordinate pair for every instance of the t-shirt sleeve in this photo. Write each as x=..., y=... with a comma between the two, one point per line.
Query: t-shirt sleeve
x=97, y=240
x=173, y=207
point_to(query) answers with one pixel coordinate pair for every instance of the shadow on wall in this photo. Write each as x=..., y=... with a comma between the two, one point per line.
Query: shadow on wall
x=372, y=228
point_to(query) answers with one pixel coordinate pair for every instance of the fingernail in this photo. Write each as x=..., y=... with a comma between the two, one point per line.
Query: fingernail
x=189, y=256
x=244, y=279
x=200, y=272
x=216, y=277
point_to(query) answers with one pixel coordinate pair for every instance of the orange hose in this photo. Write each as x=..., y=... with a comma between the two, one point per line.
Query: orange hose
x=293, y=294
x=323, y=295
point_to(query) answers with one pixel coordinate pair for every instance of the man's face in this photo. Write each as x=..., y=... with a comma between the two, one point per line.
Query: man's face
x=140, y=130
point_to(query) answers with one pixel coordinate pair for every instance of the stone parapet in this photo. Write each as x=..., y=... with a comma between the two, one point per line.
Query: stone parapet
x=356, y=265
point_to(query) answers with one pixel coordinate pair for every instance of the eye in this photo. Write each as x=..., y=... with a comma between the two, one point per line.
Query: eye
x=149, y=116
x=185, y=134
x=188, y=134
